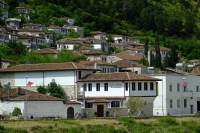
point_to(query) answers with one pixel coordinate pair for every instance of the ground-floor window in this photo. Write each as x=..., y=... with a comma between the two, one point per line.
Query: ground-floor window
x=88, y=105
x=115, y=104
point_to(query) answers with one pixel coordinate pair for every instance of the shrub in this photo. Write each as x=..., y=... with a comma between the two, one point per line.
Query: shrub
x=2, y=128
x=168, y=120
x=41, y=89
x=121, y=130
x=16, y=111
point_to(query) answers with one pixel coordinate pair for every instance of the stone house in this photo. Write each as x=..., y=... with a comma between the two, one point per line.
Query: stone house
x=3, y=6
x=23, y=11
x=101, y=65
x=124, y=55
x=35, y=26
x=4, y=63
x=14, y=23
x=64, y=74
x=101, y=92
x=130, y=66
x=36, y=105
x=99, y=35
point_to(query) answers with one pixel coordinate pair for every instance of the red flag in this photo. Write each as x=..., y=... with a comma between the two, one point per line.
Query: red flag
x=29, y=83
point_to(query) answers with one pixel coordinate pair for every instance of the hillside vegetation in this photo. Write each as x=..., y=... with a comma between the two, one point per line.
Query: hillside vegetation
x=176, y=21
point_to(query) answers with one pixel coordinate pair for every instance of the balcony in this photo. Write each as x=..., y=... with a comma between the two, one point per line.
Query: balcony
x=196, y=94
x=187, y=94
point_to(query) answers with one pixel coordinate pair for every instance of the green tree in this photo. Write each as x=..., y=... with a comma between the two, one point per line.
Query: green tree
x=134, y=103
x=41, y=89
x=110, y=39
x=146, y=47
x=173, y=56
x=157, y=52
x=56, y=90
x=144, y=61
x=72, y=34
x=16, y=48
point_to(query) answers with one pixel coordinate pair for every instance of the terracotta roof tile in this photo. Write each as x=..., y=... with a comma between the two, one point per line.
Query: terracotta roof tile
x=85, y=48
x=93, y=53
x=99, y=62
x=19, y=94
x=29, y=30
x=101, y=97
x=119, y=76
x=97, y=33
x=128, y=55
x=47, y=67
x=127, y=63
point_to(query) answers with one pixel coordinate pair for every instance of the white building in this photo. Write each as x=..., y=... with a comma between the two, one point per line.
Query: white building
x=110, y=91
x=178, y=94
x=64, y=74
x=37, y=105
x=23, y=11
x=14, y=22
x=3, y=6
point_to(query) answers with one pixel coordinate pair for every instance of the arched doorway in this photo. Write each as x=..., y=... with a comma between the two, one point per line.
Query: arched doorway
x=70, y=112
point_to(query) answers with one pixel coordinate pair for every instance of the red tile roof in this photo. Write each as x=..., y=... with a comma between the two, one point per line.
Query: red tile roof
x=127, y=63
x=19, y=94
x=47, y=67
x=101, y=97
x=99, y=62
x=29, y=30
x=118, y=76
x=128, y=55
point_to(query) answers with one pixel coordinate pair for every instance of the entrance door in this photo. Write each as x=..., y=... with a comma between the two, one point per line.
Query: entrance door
x=198, y=105
x=70, y=112
x=191, y=109
x=100, y=110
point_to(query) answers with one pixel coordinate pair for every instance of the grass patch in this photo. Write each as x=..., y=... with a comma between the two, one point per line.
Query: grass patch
x=168, y=120
x=127, y=121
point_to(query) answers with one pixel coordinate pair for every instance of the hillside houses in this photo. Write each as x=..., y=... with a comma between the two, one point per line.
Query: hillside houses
x=3, y=5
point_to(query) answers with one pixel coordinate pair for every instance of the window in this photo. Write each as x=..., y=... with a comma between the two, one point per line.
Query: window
x=171, y=103
x=178, y=103
x=115, y=104
x=151, y=86
x=105, y=86
x=178, y=87
x=139, y=86
x=185, y=103
x=89, y=87
x=84, y=87
x=88, y=105
x=126, y=86
x=136, y=72
x=107, y=70
x=79, y=74
x=97, y=86
x=145, y=86
x=197, y=88
x=170, y=87
x=133, y=86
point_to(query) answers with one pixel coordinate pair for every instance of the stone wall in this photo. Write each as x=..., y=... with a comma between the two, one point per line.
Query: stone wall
x=147, y=110
x=7, y=77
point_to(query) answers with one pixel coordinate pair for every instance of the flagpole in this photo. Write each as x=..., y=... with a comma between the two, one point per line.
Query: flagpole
x=26, y=99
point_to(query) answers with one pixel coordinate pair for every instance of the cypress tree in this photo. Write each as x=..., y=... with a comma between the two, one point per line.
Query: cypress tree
x=158, y=55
